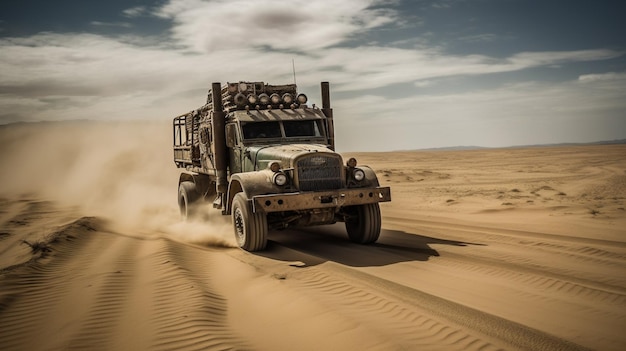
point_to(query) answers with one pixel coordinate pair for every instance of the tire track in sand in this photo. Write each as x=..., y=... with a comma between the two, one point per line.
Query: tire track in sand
x=405, y=317
x=440, y=324
x=113, y=292
x=571, y=287
x=406, y=325
x=533, y=263
x=192, y=316
x=33, y=294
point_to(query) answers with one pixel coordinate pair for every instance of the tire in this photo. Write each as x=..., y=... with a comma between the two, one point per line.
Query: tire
x=363, y=223
x=188, y=200
x=250, y=228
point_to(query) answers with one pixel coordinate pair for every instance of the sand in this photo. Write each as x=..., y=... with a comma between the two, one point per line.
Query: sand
x=493, y=249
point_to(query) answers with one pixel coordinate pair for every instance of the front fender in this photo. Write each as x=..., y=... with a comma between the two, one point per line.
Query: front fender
x=201, y=181
x=371, y=180
x=370, y=176
x=251, y=184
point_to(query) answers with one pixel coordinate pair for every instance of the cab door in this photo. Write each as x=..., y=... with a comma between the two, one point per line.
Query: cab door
x=235, y=148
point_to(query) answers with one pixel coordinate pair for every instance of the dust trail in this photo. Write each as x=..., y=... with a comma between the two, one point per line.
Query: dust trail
x=119, y=170
x=216, y=231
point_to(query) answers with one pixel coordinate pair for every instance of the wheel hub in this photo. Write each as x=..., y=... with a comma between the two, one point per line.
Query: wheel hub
x=239, y=227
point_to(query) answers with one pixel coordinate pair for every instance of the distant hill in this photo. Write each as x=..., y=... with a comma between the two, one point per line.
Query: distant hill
x=455, y=148
x=460, y=148
x=605, y=142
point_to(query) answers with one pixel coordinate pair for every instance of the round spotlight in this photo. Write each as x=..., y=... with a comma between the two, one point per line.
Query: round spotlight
x=275, y=99
x=240, y=100
x=358, y=175
x=280, y=179
x=264, y=99
x=232, y=87
x=302, y=99
x=274, y=166
x=351, y=162
x=252, y=98
x=287, y=98
x=243, y=87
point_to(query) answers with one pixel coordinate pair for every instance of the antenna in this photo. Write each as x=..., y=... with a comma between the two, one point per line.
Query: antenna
x=293, y=66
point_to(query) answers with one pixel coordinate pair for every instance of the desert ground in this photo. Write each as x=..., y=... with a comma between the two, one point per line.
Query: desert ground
x=490, y=249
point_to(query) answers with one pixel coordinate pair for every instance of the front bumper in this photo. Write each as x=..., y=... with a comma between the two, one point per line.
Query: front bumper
x=319, y=199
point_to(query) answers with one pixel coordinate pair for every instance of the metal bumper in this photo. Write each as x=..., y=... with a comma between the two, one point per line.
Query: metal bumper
x=319, y=199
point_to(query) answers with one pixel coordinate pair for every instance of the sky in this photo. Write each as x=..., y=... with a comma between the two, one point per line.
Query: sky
x=404, y=74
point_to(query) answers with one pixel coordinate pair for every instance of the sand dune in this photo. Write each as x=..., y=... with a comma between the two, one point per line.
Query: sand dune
x=509, y=249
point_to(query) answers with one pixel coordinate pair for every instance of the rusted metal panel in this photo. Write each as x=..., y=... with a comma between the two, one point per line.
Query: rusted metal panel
x=278, y=115
x=321, y=199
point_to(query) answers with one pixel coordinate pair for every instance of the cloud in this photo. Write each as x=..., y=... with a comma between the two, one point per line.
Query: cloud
x=300, y=25
x=111, y=24
x=52, y=76
x=602, y=77
x=442, y=4
x=136, y=11
x=91, y=76
x=479, y=38
x=515, y=114
x=533, y=59
x=216, y=40
x=370, y=67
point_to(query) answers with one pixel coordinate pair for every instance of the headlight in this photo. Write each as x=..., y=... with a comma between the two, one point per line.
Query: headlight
x=240, y=99
x=264, y=99
x=274, y=166
x=358, y=174
x=351, y=162
x=287, y=98
x=302, y=99
x=275, y=99
x=280, y=179
x=252, y=98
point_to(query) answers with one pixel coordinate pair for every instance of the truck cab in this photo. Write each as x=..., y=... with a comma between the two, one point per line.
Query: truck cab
x=260, y=154
x=251, y=132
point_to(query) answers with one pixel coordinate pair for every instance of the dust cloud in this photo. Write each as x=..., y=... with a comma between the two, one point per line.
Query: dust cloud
x=122, y=171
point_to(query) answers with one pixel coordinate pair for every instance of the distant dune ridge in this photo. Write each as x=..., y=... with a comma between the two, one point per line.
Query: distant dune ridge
x=516, y=248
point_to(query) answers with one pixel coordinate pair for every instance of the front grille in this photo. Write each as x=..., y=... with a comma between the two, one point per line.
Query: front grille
x=319, y=172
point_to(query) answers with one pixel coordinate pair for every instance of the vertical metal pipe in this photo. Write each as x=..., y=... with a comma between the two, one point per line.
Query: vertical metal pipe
x=328, y=112
x=174, y=141
x=218, y=123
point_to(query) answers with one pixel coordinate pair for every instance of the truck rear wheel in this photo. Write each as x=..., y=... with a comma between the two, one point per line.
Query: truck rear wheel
x=363, y=223
x=188, y=198
x=250, y=228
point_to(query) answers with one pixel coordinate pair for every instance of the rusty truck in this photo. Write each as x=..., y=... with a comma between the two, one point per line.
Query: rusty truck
x=260, y=154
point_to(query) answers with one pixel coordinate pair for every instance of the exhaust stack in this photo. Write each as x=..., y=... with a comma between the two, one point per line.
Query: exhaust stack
x=328, y=112
x=218, y=124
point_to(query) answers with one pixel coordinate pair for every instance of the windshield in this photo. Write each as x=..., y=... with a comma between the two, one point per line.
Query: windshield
x=292, y=129
x=301, y=129
x=260, y=130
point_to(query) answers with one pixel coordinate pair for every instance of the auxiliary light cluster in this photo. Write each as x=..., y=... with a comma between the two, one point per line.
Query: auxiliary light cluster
x=260, y=96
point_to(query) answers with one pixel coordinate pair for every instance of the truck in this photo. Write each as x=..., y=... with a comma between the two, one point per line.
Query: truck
x=260, y=154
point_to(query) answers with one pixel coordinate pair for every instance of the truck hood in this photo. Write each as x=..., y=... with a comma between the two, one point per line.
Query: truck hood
x=261, y=156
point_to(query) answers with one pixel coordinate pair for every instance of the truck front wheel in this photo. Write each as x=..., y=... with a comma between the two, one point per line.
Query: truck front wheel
x=250, y=228
x=363, y=223
x=188, y=198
